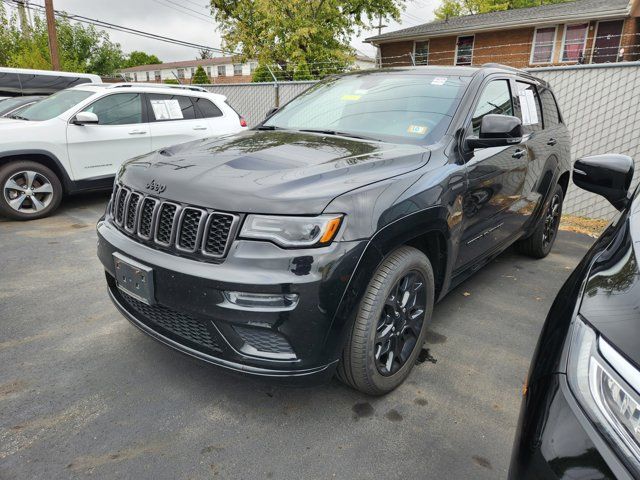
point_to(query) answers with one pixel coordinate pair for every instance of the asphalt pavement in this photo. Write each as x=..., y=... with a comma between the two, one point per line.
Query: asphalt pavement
x=85, y=394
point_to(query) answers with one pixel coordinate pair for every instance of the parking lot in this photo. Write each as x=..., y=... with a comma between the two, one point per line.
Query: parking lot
x=82, y=392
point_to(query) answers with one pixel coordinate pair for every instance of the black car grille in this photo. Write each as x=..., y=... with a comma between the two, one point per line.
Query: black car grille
x=176, y=323
x=182, y=229
x=264, y=340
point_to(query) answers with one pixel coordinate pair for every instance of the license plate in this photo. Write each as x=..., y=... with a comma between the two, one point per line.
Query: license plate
x=134, y=278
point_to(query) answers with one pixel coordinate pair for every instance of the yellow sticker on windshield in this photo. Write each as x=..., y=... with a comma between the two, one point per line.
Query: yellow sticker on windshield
x=417, y=129
x=351, y=98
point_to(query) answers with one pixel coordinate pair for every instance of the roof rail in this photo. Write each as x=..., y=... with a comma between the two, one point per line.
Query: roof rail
x=504, y=67
x=158, y=85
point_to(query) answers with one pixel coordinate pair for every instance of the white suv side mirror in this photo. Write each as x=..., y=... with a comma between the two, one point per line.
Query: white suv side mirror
x=85, y=118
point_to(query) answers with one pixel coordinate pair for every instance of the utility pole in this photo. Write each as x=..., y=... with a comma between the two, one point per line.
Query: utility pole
x=53, y=38
x=379, y=53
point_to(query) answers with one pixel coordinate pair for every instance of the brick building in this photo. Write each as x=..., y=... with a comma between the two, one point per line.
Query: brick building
x=218, y=69
x=582, y=31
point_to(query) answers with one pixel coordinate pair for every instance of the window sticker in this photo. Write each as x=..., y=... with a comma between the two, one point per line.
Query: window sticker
x=439, y=81
x=528, y=104
x=361, y=91
x=166, y=109
x=417, y=129
x=351, y=98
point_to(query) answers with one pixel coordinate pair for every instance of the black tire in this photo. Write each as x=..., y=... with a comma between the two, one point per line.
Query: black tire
x=37, y=203
x=359, y=365
x=540, y=243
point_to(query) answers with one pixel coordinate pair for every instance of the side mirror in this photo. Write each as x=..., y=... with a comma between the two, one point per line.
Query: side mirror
x=497, y=131
x=85, y=118
x=608, y=175
x=271, y=112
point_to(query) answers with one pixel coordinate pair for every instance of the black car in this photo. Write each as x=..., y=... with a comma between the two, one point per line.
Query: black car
x=580, y=416
x=321, y=239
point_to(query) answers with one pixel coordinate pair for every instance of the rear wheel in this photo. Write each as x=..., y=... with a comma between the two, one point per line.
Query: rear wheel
x=29, y=190
x=539, y=244
x=390, y=326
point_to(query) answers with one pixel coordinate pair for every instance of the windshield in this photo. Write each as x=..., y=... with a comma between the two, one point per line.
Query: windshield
x=396, y=107
x=54, y=105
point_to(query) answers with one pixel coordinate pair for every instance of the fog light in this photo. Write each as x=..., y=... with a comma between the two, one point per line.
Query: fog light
x=274, y=302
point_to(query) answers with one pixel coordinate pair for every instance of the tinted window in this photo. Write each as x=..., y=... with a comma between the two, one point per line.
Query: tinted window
x=530, y=111
x=207, y=108
x=404, y=107
x=549, y=108
x=117, y=109
x=38, y=84
x=495, y=99
x=9, y=85
x=170, y=107
x=54, y=105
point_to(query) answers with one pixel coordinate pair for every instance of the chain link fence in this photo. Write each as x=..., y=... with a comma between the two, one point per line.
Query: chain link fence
x=600, y=105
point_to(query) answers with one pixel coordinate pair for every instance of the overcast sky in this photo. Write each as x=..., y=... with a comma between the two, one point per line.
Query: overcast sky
x=189, y=20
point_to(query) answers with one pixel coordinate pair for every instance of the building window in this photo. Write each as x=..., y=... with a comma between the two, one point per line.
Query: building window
x=575, y=37
x=181, y=73
x=135, y=77
x=148, y=78
x=543, y=42
x=253, y=66
x=222, y=70
x=464, y=50
x=421, y=53
x=208, y=71
x=156, y=76
x=237, y=69
x=193, y=71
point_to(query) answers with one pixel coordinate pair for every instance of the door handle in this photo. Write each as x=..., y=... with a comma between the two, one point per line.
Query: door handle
x=137, y=132
x=552, y=142
x=519, y=153
x=199, y=127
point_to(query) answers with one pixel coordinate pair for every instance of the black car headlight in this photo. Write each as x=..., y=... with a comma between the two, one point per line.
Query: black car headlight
x=606, y=386
x=292, y=232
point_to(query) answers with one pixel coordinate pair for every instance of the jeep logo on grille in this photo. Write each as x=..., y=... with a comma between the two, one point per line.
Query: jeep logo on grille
x=156, y=187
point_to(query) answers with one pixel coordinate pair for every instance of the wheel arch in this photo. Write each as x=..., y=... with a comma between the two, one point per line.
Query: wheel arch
x=43, y=157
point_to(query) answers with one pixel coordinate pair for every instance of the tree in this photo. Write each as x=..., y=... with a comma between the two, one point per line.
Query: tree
x=457, y=8
x=200, y=76
x=285, y=32
x=136, y=58
x=261, y=74
x=204, y=54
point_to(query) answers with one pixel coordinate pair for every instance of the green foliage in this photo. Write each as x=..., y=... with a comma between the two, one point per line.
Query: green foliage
x=171, y=81
x=290, y=32
x=302, y=72
x=136, y=58
x=261, y=74
x=82, y=48
x=200, y=76
x=457, y=8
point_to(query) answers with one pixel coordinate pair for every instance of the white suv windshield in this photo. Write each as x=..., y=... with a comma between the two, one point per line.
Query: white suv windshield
x=397, y=107
x=54, y=105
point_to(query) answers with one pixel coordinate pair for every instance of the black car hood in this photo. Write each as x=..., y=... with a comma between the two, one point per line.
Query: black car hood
x=611, y=301
x=269, y=171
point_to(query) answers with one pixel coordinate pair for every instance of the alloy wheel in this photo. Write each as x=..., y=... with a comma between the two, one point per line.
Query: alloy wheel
x=400, y=323
x=28, y=192
x=551, y=221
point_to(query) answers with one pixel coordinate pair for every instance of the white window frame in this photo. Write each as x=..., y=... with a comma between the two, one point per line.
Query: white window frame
x=428, y=50
x=178, y=73
x=224, y=68
x=157, y=75
x=564, y=39
x=235, y=69
x=553, y=47
x=595, y=36
x=473, y=47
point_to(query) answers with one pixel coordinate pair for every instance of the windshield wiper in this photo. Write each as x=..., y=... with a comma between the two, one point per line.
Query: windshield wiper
x=340, y=134
x=268, y=127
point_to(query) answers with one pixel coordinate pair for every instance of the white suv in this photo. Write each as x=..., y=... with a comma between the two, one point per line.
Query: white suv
x=76, y=139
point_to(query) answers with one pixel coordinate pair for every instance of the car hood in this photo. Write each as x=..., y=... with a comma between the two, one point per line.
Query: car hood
x=611, y=301
x=269, y=171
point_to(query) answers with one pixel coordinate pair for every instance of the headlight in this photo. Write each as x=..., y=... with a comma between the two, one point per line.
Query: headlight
x=292, y=231
x=594, y=372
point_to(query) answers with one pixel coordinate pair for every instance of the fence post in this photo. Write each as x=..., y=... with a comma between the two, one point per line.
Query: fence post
x=276, y=88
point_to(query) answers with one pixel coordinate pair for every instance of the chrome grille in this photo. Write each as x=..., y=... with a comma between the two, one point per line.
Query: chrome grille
x=183, y=229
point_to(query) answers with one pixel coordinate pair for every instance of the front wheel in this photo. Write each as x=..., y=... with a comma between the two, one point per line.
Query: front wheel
x=29, y=190
x=390, y=325
x=539, y=244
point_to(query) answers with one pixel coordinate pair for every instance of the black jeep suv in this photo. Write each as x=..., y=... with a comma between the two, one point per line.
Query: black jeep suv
x=321, y=239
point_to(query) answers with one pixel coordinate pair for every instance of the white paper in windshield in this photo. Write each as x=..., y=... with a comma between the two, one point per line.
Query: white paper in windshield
x=166, y=109
x=529, y=111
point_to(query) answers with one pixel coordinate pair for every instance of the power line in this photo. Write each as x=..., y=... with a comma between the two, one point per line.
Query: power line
x=199, y=16
x=120, y=28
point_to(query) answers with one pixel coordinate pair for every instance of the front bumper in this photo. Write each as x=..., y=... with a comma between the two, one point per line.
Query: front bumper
x=555, y=440
x=190, y=314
